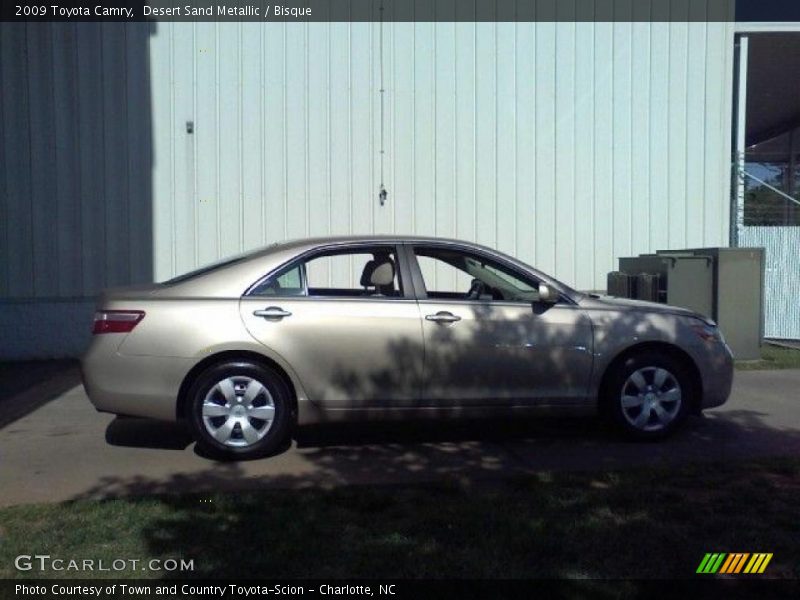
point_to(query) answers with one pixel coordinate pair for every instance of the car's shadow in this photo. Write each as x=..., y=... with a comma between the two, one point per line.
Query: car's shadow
x=546, y=442
x=451, y=430
x=135, y=432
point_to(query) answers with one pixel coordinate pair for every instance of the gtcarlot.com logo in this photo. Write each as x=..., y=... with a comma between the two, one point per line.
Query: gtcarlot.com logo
x=45, y=562
x=734, y=563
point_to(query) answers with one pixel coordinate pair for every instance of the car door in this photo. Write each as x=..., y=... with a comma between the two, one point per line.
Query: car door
x=487, y=338
x=352, y=344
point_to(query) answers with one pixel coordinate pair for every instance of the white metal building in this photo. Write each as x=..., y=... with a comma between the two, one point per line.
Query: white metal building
x=133, y=152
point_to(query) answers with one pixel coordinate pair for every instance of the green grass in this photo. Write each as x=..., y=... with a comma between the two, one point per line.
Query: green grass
x=772, y=357
x=638, y=523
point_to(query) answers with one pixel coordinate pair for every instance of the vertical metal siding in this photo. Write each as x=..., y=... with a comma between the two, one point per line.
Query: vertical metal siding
x=566, y=144
x=43, y=199
x=91, y=155
x=139, y=166
x=4, y=248
x=601, y=91
x=166, y=177
x=114, y=116
x=66, y=170
x=75, y=166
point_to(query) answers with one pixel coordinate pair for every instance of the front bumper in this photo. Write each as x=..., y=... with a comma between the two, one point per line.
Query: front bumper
x=715, y=362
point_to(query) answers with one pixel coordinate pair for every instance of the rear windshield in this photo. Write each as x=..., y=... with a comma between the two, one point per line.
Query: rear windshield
x=210, y=268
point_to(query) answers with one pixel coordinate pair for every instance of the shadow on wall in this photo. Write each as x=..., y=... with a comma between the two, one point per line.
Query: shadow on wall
x=76, y=160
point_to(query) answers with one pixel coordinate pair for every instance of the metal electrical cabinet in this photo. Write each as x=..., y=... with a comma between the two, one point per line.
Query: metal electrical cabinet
x=725, y=284
x=621, y=285
x=679, y=280
x=738, y=296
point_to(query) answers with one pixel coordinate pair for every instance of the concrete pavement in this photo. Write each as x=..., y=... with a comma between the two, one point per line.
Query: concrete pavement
x=62, y=449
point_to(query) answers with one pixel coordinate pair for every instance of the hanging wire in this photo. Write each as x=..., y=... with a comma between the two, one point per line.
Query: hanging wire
x=382, y=193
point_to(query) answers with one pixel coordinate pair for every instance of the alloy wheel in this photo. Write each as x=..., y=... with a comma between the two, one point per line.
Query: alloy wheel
x=238, y=411
x=651, y=398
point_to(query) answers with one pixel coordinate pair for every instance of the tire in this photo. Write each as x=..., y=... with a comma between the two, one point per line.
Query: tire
x=240, y=410
x=648, y=396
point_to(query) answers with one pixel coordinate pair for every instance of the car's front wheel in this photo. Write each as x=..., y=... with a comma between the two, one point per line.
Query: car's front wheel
x=648, y=396
x=240, y=410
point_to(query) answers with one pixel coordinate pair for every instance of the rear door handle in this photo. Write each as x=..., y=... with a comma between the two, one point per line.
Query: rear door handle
x=272, y=312
x=443, y=317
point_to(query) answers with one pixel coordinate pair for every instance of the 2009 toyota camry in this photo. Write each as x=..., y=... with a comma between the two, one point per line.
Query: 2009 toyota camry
x=391, y=327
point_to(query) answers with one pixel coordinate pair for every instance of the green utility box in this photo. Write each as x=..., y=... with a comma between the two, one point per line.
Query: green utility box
x=682, y=280
x=738, y=296
x=725, y=284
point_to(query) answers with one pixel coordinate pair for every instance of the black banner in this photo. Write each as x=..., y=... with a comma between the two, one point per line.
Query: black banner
x=401, y=10
x=75, y=589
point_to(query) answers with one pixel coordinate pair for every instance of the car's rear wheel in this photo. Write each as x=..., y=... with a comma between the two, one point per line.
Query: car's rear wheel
x=648, y=396
x=240, y=410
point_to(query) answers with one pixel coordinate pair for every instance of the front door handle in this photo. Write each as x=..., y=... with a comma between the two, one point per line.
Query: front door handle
x=272, y=312
x=443, y=317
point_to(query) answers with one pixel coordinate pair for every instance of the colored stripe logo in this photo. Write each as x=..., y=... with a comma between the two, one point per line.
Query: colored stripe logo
x=734, y=563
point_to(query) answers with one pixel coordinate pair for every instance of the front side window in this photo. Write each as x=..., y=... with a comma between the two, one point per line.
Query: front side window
x=356, y=273
x=456, y=275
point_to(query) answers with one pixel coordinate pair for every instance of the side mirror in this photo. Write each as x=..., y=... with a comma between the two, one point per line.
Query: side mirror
x=547, y=295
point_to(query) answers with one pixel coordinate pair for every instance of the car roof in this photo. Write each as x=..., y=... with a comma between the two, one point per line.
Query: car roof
x=303, y=244
x=380, y=238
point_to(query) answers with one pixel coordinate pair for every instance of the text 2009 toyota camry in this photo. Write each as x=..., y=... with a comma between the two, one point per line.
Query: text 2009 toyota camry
x=391, y=327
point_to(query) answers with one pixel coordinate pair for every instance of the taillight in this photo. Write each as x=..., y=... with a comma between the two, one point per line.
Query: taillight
x=116, y=321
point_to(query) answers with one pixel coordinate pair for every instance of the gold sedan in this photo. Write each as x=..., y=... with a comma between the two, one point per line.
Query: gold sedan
x=391, y=327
